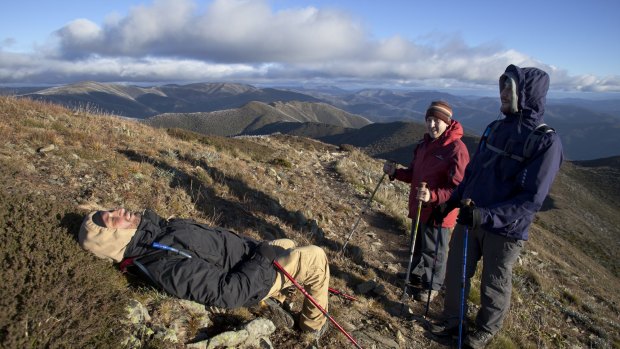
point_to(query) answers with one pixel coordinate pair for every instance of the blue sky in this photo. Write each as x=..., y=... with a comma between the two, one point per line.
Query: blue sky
x=403, y=44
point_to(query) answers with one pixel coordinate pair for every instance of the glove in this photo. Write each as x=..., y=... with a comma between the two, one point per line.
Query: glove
x=470, y=216
x=441, y=211
x=389, y=168
x=423, y=194
x=267, y=251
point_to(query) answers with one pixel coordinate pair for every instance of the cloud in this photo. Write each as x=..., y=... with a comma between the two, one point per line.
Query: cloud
x=246, y=41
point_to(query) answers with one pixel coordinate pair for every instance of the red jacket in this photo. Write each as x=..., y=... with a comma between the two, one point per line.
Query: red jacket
x=441, y=164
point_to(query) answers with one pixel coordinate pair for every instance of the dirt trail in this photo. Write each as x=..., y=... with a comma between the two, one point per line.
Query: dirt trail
x=384, y=248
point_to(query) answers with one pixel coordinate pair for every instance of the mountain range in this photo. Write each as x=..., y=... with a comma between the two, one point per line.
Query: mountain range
x=587, y=128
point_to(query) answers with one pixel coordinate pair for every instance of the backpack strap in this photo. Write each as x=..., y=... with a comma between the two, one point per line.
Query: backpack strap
x=534, y=138
x=487, y=136
x=139, y=261
x=529, y=146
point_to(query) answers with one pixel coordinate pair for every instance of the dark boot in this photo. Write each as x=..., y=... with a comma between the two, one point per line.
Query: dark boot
x=280, y=317
x=445, y=329
x=478, y=339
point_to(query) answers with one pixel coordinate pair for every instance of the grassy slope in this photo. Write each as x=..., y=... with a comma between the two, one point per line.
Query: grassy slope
x=565, y=286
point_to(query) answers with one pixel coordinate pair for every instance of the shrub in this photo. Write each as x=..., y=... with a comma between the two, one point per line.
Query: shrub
x=281, y=162
x=53, y=294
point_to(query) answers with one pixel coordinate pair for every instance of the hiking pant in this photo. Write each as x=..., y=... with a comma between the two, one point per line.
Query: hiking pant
x=498, y=254
x=308, y=266
x=428, y=238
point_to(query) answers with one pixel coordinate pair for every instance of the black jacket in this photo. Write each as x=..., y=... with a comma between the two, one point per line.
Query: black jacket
x=224, y=271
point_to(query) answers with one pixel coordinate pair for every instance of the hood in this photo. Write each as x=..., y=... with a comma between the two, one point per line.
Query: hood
x=532, y=86
x=106, y=243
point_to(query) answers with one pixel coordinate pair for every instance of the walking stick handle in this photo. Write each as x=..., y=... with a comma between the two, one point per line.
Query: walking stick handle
x=467, y=202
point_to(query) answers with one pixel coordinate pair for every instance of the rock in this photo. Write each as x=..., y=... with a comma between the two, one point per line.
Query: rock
x=265, y=343
x=46, y=149
x=391, y=267
x=348, y=326
x=255, y=334
x=372, y=339
x=260, y=327
x=259, y=330
x=379, y=290
x=137, y=313
x=194, y=307
x=366, y=287
x=228, y=339
x=167, y=335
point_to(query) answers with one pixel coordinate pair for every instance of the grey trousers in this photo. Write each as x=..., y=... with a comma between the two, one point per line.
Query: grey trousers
x=430, y=238
x=498, y=254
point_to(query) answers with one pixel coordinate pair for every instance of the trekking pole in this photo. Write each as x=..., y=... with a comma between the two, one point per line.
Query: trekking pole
x=430, y=285
x=466, y=202
x=362, y=213
x=414, y=233
x=309, y=297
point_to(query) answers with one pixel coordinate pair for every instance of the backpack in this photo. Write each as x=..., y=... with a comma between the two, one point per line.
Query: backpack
x=530, y=145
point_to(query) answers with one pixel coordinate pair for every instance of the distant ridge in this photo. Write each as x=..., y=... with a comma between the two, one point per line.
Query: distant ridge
x=140, y=102
x=588, y=129
x=612, y=161
x=257, y=115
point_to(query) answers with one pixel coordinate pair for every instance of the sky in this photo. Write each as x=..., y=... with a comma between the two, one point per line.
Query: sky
x=440, y=44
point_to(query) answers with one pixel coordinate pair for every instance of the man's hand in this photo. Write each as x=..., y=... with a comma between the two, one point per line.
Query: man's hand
x=389, y=168
x=267, y=251
x=441, y=211
x=470, y=216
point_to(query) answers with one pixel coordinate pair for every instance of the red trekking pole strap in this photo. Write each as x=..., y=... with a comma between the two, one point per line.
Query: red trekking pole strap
x=341, y=294
x=125, y=263
x=313, y=301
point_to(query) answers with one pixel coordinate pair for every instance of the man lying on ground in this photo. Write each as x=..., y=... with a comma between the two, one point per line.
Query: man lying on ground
x=210, y=265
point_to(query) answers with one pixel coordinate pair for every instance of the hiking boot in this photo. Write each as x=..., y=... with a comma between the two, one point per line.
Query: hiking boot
x=280, y=317
x=445, y=329
x=478, y=339
x=423, y=295
x=317, y=334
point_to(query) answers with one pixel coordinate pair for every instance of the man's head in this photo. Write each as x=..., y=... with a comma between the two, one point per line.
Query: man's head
x=508, y=83
x=438, y=118
x=523, y=91
x=107, y=233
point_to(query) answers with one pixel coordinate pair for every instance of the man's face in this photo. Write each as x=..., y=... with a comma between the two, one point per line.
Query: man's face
x=435, y=126
x=506, y=95
x=120, y=219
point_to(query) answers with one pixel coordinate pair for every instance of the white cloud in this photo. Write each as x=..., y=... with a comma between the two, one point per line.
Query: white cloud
x=169, y=40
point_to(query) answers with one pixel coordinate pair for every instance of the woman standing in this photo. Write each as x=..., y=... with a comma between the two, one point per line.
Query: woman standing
x=439, y=159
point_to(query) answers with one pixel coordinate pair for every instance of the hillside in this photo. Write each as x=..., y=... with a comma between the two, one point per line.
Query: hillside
x=257, y=115
x=57, y=164
x=389, y=140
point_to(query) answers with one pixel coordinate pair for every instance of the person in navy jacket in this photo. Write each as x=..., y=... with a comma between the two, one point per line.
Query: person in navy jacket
x=501, y=192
